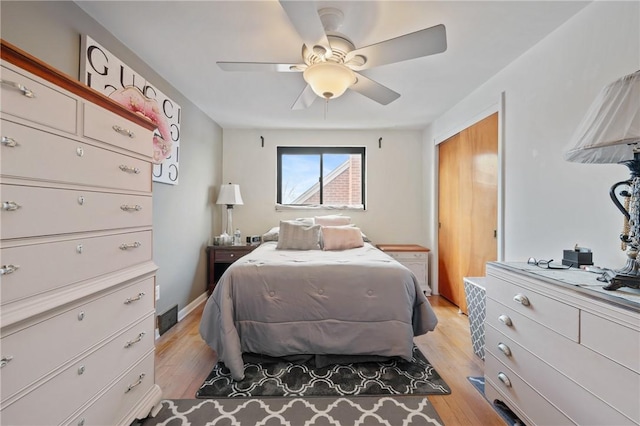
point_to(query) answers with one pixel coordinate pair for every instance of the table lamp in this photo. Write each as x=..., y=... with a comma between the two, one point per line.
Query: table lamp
x=229, y=195
x=610, y=133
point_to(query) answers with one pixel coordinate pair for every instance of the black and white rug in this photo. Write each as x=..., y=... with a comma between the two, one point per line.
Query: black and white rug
x=369, y=411
x=288, y=379
x=505, y=412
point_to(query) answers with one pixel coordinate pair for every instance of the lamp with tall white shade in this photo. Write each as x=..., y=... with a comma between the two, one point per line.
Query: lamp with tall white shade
x=610, y=133
x=229, y=195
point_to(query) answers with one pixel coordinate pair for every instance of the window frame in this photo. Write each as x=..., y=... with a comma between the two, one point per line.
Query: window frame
x=320, y=150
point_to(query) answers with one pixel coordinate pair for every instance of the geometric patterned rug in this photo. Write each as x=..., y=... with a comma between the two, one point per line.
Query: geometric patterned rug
x=287, y=379
x=369, y=411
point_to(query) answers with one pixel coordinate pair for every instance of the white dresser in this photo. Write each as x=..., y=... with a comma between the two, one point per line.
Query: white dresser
x=77, y=277
x=557, y=350
x=414, y=257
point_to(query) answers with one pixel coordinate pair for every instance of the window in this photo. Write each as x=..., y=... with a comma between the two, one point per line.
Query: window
x=327, y=176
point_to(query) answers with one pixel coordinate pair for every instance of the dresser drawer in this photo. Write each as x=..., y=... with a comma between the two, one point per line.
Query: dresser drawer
x=560, y=317
x=37, y=350
x=60, y=396
x=229, y=256
x=119, y=398
x=69, y=161
x=616, y=342
x=74, y=260
x=105, y=126
x=619, y=387
x=574, y=401
x=410, y=256
x=516, y=391
x=518, y=327
x=70, y=211
x=47, y=107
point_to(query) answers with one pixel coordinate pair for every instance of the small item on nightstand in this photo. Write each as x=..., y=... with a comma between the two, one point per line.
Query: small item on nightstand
x=254, y=240
x=577, y=257
x=225, y=239
x=237, y=238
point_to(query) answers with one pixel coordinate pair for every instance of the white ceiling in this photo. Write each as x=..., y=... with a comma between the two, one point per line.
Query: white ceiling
x=182, y=40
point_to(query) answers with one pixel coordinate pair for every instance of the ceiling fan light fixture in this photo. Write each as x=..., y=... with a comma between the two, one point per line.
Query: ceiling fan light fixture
x=329, y=80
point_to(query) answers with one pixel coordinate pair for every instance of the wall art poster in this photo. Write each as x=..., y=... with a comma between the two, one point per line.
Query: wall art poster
x=102, y=71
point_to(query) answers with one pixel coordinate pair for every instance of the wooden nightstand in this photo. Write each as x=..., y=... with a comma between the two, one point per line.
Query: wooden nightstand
x=219, y=258
x=414, y=257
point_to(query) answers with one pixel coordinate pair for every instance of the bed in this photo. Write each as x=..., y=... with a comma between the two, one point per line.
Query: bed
x=279, y=302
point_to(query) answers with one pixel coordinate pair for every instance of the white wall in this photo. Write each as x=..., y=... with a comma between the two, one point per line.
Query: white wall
x=550, y=204
x=394, y=187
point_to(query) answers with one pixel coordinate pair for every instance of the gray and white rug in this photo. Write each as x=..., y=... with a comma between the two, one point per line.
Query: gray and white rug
x=352, y=411
x=276, y=377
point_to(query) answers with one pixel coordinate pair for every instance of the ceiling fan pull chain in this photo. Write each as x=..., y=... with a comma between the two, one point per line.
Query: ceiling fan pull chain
x=326, y=107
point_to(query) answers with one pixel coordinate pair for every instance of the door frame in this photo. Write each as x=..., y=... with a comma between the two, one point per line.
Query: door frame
x=498, y=107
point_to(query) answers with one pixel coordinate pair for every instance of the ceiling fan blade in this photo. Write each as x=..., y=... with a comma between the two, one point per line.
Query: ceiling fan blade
x=305, y=99
x=304, y=17
x=409, y=46
x=373, y=90
x=258, y=66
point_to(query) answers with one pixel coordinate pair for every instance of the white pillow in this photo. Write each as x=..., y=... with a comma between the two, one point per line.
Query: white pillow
x=271, y=234
x=294, y=235
x=341, y=237
x=306, y=221
x=332, y=220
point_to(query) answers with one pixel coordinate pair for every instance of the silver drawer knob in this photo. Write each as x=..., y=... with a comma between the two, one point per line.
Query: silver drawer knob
x=8, y=269
x=504, y=349
x=123, y=131
x=133, y=385
x=10, y=142
x=15, y=85
x=134, y=341
x=133, y=299
x=81, y=370
x=5, y=360
x=522, y=299
x=81, y=316
x=505, y=320
x=10, y=206
x=128, y=246
x=129, y=169
x=504, y=379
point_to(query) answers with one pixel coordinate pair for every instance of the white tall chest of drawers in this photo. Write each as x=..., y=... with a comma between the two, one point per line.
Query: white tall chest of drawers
x=77, y=278
x=558, y=349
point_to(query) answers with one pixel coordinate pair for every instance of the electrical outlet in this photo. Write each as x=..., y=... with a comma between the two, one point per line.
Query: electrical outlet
x=157, y=292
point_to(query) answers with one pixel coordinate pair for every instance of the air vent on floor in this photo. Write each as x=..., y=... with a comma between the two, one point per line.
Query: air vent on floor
x=167, y=320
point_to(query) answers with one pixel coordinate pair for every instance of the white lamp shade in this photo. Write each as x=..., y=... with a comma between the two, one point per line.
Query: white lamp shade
x=329, y=79
x=610, y=130
x=229, y=195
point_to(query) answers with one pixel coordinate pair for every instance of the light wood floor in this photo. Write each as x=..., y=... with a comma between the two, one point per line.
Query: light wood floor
x=183, y=361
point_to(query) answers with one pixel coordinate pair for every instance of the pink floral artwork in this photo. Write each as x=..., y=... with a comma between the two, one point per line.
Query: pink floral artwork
x=134, y=100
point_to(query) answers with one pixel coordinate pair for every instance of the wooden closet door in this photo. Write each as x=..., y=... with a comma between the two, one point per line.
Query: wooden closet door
x=467, y=213
x=449, y=218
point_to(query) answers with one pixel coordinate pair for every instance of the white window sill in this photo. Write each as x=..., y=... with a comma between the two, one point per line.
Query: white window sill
x=288, y=207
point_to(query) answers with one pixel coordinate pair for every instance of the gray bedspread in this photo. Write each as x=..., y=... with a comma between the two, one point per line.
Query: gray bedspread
x=287, y=302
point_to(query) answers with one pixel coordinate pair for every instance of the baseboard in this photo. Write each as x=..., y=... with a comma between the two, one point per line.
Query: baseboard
x=192, y=306
x=188, y=309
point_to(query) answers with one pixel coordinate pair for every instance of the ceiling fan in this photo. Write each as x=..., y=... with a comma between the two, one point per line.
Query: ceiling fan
x=331, y=62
